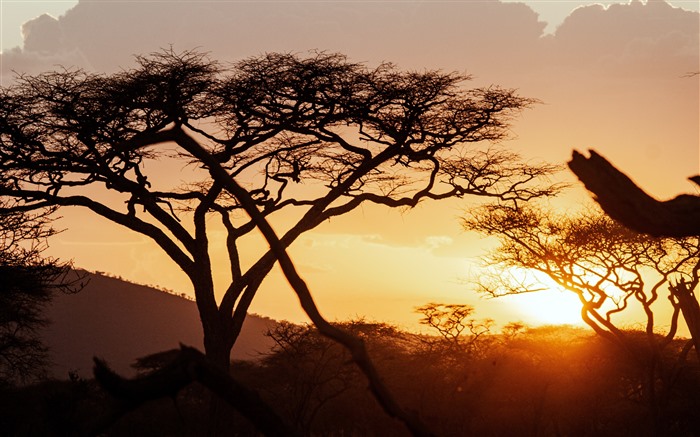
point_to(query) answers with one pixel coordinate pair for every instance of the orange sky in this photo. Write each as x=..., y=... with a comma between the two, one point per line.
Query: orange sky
x=610, y=79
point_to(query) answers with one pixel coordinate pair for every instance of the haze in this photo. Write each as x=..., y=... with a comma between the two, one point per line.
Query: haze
x=614, y=79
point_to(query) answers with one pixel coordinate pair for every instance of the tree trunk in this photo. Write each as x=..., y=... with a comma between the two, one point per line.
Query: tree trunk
x=221, y=417
x=217, y=348
x=218, y=340
x=690, y=310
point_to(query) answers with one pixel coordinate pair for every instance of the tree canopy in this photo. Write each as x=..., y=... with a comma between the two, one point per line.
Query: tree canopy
x=318, y=135
x=608, y=266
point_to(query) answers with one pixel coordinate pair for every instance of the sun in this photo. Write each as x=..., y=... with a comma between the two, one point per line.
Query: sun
x=550, y=307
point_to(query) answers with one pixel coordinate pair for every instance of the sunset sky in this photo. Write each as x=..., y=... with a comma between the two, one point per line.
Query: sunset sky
x=610, y=78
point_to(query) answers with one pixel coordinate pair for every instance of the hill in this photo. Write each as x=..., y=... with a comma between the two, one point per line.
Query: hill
x=120, y=321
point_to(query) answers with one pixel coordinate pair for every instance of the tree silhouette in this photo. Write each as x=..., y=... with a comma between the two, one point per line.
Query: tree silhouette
x=310, y=372
x=456, y=328
x=311, y=369
x=624, y=201
x=609, y=267
x=27, y=283
x=276, y=135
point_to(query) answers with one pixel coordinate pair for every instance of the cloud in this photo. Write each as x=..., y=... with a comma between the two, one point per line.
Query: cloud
x=17, y=61
x=627, y=34
x=414, y=34
x=486, y=36
x=45, y=48
x=43, y=35
x=498, y=42
x=436, y=241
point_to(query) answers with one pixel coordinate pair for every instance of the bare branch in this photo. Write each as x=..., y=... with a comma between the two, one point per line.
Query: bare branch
x=588, y=254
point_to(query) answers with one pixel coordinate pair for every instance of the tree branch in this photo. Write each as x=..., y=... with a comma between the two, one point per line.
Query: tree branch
x=128, y=221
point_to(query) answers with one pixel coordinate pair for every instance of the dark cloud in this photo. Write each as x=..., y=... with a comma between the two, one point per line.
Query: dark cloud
x=453, y=35
x=630, y=35
x=499, y=42
x=42, y=35
x=487, y=35
x=17, y=61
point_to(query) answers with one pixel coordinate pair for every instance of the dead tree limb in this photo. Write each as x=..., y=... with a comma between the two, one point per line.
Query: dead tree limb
x=624, y=201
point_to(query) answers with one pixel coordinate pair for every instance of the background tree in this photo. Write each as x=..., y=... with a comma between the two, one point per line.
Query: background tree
x=312, y=377
x=27, y=283
x=312, y=370
x=318, y=135
x=457, y=329
x=544, y=381
x=609, y=267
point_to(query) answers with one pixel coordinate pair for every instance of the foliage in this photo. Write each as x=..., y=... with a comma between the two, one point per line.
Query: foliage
x=313, y=372
x=545, y=381
x=606, y=265
x=27, y=282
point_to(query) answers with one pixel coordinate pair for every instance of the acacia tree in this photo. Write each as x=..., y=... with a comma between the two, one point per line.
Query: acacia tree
x=306, y=371
x=609, y=267
x=313, y=371
x=318, y=135
x=453, y=322
x=27, y=284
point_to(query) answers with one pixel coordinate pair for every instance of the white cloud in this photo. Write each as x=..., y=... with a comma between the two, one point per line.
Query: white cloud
x=436, y=241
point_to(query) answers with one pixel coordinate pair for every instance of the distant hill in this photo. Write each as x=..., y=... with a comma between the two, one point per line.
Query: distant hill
x=120, y=321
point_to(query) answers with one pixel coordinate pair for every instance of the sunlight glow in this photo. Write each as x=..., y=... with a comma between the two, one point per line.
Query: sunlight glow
x=550, y=307
x=546, y=304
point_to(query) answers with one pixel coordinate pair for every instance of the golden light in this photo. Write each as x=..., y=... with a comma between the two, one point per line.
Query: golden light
x=550, y=307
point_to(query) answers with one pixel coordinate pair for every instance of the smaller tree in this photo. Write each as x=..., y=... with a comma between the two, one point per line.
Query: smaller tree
x=453, y=323
x=609, y=267
x=312, y=371
x=312, y=377
x=27, y=283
